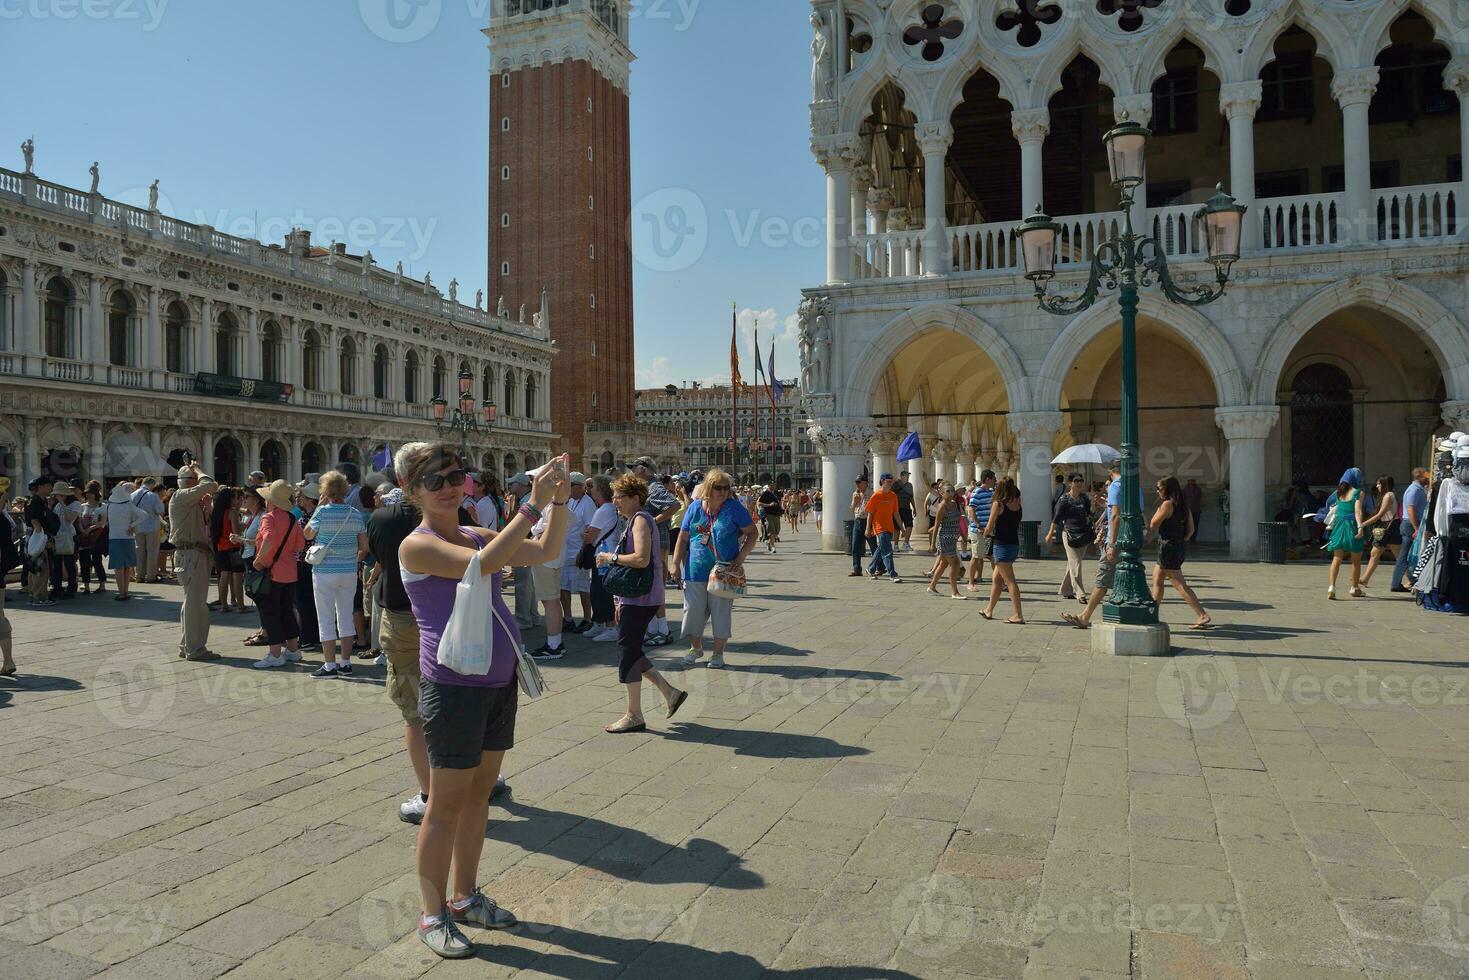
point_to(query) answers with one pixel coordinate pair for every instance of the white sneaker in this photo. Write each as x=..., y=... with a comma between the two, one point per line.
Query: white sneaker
x=607, y=635
x=381, y=660
x=292, y=656
x=691, y=658
x=278, y=660
x=412, y=809
x=717, y=660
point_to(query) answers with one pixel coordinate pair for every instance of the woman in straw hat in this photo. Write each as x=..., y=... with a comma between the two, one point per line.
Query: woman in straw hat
x=121, y=516
x=276, y=544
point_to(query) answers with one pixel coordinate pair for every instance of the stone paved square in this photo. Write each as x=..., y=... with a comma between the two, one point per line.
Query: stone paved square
x=881, y=784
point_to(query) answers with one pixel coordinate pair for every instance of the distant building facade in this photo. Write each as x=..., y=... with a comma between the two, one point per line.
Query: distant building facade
x=704, y=417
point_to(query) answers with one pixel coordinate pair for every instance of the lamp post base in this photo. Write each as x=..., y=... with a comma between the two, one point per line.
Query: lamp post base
x=1123, y=640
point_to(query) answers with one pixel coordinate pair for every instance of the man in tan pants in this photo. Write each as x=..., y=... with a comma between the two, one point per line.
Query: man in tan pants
x=189, y=533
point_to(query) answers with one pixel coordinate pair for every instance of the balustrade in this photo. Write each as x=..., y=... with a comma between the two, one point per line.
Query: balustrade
x=1302, y=221
x=1417, y=213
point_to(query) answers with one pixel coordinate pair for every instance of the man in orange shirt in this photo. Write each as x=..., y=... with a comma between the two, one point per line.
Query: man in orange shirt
x=882, y=523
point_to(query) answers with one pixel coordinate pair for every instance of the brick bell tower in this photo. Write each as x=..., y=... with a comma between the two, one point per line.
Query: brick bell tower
x=561, y=196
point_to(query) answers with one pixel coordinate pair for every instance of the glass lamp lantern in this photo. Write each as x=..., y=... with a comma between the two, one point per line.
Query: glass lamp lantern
x=490, y=412
x=440, y=406
x=466, y=404
x=1221, y=218
x=1038, y=235
x=466, y=381
x=1126, y=152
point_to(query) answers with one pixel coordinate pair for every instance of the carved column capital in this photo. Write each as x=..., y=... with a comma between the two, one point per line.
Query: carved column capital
x=1456, y=76
x=840, y=152
x=1030, y=125
x=1241, y=100
x=841, y=437
x=934, y=137
x=1354, y=86
x=1034, y=427
x=1138, y=108
x=1247, y=421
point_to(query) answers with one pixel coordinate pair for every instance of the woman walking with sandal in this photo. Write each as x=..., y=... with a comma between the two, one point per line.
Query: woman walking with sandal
x=1345, y=512
x=1073, y=515
x=1174, y=523
x=639, y=548
x=1004, y=525
x=468, y=720
x=946, y=519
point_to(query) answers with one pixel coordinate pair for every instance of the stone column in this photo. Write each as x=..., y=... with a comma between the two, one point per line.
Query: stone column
x=842, y=444
x=153, y=346
x=30, y=453
x=918, y=475
x=293, y=465
x=837, y=155
x=1030, y=127
x=1246, y=427
x=251, y=360
x=862, y=179
x=29, y=338
x=95, y=342
x=155, y=440
x=206, y=450
x=1138, y=108
x=1353, y=89
x=1239, y=101
x=934, y=139
x=252, y=452
x=1035, y=433
x=97, y=455
x=1456, y=80
x=943, y=463
x=964, y=467
x=204, y=351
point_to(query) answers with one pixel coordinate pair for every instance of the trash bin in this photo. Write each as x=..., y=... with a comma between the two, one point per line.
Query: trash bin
x=1030, y=539
x=1272, y=542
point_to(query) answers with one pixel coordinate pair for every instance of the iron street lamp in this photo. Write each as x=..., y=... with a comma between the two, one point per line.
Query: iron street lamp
x=1124, y=263
x=464, y=420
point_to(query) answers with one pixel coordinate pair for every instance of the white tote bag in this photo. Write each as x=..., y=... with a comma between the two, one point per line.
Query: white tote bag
x=468, y=644
x=36, y=544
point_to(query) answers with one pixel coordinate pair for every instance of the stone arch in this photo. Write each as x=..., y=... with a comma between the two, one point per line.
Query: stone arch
x=857, y=102
x=928, y=317
x=1192, y=327
x=1046, y=78
x=1150, y=66
x=1006, y=71
x=1333, y=44
x=1376, y=33
x=1444, y=332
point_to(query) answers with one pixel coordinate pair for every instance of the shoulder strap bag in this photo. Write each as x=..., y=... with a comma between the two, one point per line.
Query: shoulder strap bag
x=527, y=672
x=724, y=581
x=624, y=581
x=257, y=580
x=316, y=554
x=586, y=558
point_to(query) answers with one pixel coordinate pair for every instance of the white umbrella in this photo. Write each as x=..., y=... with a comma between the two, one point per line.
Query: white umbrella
x=1092, y=452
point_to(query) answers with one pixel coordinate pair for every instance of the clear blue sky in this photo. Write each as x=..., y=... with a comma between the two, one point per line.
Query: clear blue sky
x=258, y=115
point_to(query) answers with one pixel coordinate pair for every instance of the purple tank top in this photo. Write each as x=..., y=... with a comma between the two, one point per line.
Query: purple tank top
x=625, y=547
x=433, y=600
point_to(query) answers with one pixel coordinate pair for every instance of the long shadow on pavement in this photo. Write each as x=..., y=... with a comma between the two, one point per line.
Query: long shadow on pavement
x=624, y=852
x=764, y=745
x=589, y=953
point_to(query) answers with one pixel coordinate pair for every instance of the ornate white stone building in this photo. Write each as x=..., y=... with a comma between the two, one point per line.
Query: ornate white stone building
x=704, y=417
x=1342, y=124
x=128, y=338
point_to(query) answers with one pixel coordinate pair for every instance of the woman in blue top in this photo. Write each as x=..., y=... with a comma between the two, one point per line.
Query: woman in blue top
x=716, y=527
x=1346, y=531
x=338, y=527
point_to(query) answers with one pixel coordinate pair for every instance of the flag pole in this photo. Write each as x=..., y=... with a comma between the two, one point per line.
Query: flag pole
x=734, y=382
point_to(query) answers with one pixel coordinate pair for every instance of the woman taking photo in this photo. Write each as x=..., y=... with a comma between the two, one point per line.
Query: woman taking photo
x=639, y=548
x=1174, y=524
x=1344, y=513
x=338, y=528
x=1386, y=527
x=276, y=540
x=946, y=520
x=1004, y=525
x=1074, y=517
x=468, y=720
x=716, y=528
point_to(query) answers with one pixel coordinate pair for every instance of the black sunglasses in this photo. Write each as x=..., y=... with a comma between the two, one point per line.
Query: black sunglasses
x=434, y=482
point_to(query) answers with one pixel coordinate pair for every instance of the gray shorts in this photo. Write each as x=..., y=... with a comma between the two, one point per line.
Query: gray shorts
x=1106, y=572
x=461, y=722
x=700, y=607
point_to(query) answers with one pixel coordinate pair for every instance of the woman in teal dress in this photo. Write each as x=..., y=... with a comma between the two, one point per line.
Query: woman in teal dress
x=1346, y=531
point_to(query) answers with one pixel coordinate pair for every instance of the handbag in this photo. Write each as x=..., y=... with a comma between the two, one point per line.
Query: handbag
x=586, y=558
x=1078, y=537
x=316, y=554
x=527, y=671
x=626, y=582
x=724, y=581
x=36, y=544
x=257, y=580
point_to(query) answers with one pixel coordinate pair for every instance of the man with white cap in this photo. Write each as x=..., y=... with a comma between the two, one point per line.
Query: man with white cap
x=525, y=588
x=188, y=520
x=579, y=511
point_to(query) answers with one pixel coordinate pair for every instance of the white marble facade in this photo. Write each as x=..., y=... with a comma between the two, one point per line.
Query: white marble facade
x=109, y=313
x=926, y=324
